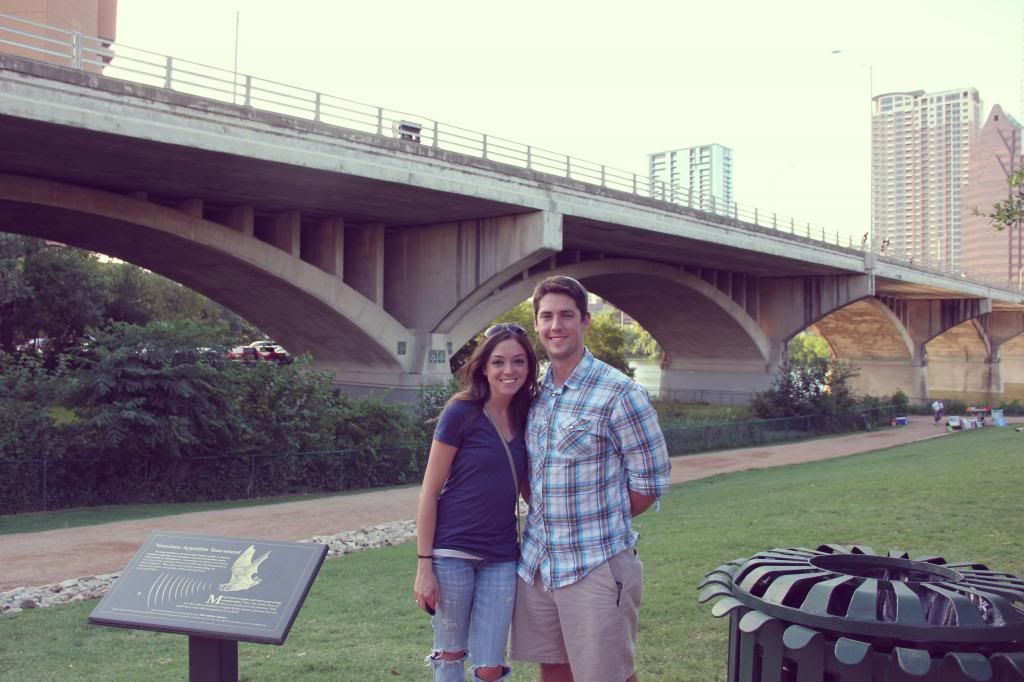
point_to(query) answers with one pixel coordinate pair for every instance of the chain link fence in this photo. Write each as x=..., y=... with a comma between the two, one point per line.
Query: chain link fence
x=686, y=440
x=38, y=484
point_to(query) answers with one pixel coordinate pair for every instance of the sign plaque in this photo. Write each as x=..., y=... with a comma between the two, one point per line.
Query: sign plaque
x=213, y=588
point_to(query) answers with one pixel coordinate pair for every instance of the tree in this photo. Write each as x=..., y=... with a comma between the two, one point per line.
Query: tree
x=1008, y=214
x=151, y=391
x=640, y=343
x=13, y=287
x=807, y=347
x=606, y=339
x=68, y=295
x=52, y=292
x=819, y=387
x=138, y=296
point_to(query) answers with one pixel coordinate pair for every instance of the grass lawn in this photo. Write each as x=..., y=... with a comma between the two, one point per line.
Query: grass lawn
x=957, y=496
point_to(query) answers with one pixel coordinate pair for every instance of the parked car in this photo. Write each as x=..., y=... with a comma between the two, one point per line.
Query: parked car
x=245, y=354
x=276, y=354
x=263, y=345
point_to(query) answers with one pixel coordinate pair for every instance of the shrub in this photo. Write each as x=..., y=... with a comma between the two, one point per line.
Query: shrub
x=900, y=402
x=149, y=392
x=821, y=386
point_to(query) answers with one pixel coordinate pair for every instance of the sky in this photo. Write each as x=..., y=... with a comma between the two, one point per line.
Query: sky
x=612, y=85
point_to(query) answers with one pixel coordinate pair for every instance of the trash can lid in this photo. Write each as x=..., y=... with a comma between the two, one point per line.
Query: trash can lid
x=852, y=590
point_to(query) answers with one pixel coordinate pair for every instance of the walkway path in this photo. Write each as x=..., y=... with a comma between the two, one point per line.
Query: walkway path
x=55, y=555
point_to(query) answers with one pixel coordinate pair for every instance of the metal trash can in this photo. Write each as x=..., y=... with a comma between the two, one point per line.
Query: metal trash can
x=845, y=614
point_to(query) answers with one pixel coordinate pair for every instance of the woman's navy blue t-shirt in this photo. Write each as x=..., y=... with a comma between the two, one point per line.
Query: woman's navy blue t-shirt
x=477, y=505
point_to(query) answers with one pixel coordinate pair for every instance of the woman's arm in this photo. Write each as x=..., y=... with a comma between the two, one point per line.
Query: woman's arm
x=439, y=464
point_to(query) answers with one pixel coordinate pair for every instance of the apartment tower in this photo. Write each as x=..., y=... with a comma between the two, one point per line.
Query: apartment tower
x=989, y=254
x=920, y=149
x=697, y=176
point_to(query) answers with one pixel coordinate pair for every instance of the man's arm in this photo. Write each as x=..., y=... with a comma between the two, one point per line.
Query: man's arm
x=639, y=440
x=638, y=503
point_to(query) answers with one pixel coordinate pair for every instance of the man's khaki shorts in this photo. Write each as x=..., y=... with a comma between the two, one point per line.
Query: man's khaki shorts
x=591, y=624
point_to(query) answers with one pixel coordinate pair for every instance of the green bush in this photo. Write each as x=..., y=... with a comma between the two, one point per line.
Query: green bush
x=28, y=429
x=156, y=413
x=819, y=386
x=900, y=402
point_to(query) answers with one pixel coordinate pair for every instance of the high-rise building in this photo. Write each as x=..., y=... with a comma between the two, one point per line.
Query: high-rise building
x=90, y=19
x=920, y=148
x=997, y=153
x=698, y=176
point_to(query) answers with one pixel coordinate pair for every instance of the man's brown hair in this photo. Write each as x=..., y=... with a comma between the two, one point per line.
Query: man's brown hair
x=561, y=284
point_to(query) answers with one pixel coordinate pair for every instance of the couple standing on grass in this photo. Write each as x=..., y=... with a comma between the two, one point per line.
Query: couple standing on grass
x=585, y=450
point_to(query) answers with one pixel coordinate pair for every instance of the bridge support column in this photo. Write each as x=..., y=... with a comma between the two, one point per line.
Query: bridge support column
x=952, y=347
x=241, y=218
x=436, y=275
x=1005, y=333
x=1011, y=369
x=282, y=231
x=363, y=261
x=715, y=381
x=427, y=357
x=323, y=245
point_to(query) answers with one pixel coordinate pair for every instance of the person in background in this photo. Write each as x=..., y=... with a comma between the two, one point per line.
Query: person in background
x=597, y=460
x=467, y=519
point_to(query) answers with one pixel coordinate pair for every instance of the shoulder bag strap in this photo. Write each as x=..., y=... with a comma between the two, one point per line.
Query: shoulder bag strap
x=512, y=465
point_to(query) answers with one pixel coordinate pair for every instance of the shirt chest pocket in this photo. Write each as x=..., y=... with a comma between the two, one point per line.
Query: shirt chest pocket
x=580, y=438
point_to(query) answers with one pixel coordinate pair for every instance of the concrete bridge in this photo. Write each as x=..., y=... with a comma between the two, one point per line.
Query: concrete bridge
x=382, y=256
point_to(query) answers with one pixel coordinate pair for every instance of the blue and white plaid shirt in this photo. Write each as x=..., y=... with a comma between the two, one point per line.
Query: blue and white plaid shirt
x=590, y=442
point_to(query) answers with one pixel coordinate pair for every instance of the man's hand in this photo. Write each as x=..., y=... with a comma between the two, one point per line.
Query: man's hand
x=638, y=503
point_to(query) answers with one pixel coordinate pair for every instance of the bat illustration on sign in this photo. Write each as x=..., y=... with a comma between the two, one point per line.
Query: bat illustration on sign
x=243, y=571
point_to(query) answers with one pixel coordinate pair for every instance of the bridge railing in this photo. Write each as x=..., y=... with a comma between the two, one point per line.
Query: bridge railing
x=70, y=48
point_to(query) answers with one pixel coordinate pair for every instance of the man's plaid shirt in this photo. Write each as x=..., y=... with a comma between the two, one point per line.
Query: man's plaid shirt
x=590, y=442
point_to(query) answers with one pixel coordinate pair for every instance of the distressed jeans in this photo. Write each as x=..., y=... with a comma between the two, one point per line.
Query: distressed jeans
x=473, y=614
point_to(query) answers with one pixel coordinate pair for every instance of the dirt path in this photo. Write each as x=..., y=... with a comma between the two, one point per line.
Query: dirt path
x=51, y=556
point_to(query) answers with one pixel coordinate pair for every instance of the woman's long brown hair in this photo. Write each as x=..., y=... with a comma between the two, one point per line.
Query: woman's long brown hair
x=474, y=379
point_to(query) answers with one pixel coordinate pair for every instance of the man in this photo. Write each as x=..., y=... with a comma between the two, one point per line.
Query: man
x=597, y=459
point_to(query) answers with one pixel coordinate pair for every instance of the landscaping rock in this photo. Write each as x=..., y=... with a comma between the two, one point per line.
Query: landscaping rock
x=95, y=586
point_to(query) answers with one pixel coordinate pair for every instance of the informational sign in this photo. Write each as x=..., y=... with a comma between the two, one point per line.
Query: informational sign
x=225, y=588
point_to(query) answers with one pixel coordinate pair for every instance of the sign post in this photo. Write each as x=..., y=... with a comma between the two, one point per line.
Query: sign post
x=217, y=590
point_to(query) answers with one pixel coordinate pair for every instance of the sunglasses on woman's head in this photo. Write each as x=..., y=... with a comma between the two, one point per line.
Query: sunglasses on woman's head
x=504, y=327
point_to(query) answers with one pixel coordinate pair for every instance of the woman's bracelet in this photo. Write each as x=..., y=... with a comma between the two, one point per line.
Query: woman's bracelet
x=424, y=556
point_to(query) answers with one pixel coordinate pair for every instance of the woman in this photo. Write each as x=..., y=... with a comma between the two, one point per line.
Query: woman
x=467, y=541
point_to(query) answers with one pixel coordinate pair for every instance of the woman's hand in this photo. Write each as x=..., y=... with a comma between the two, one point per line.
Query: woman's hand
x=425, y=589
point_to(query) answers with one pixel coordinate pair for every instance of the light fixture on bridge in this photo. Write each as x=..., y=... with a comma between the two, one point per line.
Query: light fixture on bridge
x=407, y=130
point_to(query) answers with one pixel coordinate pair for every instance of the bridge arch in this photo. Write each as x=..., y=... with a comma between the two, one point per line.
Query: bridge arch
x=1011, y=361
x=870, y=336
x=688, y=317
x=300, y=305
x=966, y=341
x=961, y=363
x=865, y=329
